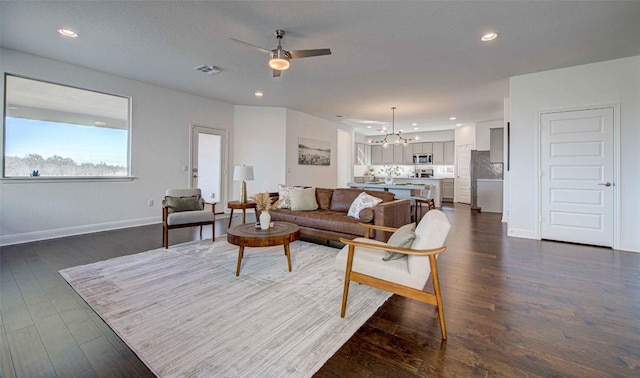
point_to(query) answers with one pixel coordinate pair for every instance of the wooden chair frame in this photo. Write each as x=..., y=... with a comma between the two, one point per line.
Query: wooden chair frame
x=166, y=227
x=434, y=298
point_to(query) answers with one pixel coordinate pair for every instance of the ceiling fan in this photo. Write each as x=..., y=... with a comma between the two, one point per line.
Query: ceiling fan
x=280, y=57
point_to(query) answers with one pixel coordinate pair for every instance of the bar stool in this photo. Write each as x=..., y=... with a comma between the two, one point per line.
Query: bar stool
x=423, y=199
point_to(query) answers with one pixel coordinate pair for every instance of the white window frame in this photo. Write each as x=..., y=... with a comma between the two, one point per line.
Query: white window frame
x=17, y=179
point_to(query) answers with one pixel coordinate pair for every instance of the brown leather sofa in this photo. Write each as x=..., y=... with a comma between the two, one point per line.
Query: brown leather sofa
x=330, y=220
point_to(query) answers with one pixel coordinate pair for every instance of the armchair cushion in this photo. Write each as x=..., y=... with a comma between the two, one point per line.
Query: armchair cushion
x=186, y=217
x=403, y=237
x=178, y=204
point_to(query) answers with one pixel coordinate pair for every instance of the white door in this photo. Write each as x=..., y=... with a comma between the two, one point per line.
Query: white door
x=577, y=176
x=208, y=162
x=463, y=178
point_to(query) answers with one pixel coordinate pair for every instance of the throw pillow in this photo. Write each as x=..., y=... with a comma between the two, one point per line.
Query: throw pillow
x=283, y=193
x=303, y=199
x=366, y=215
x=177, y=204
x=403, y=238
x=362, y=201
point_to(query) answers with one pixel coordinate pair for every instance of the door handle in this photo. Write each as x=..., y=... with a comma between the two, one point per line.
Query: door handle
x=195, y=176
x=605, y=183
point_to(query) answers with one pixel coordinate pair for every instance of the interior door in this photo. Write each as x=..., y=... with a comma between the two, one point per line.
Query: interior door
x=463, y=178
x=577, y=176
x=208, y=162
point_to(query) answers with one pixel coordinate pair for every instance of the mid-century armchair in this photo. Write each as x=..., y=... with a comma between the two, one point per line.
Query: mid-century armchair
x=362, y=259
x=185, y=208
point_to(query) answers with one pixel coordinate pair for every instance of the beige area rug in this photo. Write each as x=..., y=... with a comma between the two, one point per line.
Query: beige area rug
x=185, y=313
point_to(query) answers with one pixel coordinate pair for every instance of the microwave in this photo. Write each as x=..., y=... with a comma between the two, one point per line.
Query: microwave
x=422, y=159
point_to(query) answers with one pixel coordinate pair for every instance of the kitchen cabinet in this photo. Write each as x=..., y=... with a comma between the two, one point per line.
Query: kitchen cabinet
x=496, y=145
x=427, y=147
x=376, y=155
x=438, y=153
x=447, y=189
x=363, y=154
x=408, y=154
x=449, y=153
x=387, y=154
x=398, y=153
x=416, y=148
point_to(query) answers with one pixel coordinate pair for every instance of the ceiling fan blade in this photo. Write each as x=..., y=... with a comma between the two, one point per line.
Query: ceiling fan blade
x=276, y=73
x=263, y=50
x=296, y=54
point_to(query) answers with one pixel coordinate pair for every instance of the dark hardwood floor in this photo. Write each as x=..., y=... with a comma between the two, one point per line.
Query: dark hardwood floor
x=513, y=307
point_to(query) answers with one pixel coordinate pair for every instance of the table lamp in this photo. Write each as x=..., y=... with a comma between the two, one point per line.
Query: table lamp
x=243, y=173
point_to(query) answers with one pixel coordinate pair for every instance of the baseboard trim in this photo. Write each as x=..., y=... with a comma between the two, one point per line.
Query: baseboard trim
x=76, y=230
x=629, y=246
x=522, y=233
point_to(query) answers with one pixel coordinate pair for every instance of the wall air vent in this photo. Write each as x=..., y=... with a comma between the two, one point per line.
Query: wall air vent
x=208, y=69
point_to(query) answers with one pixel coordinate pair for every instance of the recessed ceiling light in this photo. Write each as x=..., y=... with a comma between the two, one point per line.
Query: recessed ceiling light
x=489, y=37
x=368, y=127
x=414, y=124
x=100, y=123
x=68, y=33
x=452, y=118
x=415, y=128
x=13, y=108
x=258, y=94
x=458, y=124
x=208, y=69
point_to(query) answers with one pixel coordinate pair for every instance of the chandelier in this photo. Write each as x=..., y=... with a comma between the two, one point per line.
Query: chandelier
x=399, y=139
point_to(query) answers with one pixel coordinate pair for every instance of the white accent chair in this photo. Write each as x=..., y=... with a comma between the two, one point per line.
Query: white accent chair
x=188, y=218
x=406, y=276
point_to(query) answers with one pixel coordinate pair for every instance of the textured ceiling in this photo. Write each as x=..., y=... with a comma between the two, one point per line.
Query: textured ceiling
x=425, y=58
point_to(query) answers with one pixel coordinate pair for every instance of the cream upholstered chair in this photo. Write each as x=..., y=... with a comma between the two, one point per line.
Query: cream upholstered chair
x=362, y=260
x=185, y=208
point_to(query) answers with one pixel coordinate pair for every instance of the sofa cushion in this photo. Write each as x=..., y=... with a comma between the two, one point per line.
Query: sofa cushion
x=366, y=215
x=328, y=220
x=323, y=197
x=362, y=201
x=303, y=199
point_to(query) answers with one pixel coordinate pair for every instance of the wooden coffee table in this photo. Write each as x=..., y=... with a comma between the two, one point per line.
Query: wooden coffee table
x=242, y=206
x=247, y=235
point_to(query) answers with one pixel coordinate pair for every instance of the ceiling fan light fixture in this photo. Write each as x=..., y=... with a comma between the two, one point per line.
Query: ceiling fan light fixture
x=279, y=60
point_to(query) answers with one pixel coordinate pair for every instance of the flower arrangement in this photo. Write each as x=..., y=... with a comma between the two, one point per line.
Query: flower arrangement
x=391, y=170
x=263, y=201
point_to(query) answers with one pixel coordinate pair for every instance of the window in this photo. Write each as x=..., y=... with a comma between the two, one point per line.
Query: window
x=52, y=130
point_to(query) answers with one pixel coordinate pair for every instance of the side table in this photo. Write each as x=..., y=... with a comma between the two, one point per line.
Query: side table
x=240, y=205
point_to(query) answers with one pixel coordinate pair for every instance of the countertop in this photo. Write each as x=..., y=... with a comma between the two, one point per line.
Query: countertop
x=382, y=185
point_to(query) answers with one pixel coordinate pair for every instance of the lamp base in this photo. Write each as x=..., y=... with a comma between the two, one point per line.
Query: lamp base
x=243, y=192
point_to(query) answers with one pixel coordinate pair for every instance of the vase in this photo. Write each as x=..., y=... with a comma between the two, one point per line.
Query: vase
x=265, y=220
x=388, y=180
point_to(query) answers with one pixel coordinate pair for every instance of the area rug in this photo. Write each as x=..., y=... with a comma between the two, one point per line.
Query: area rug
x=185, y=313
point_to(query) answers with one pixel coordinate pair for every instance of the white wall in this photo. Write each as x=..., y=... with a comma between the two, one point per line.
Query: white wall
x=260, y=141
x=160, y=148
x=605, y=83
x=506, y=189
x=307, y=126
x=466, y=134
x=483, y=132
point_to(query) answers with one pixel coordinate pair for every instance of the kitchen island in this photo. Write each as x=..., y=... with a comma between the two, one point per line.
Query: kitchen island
x=405, y=187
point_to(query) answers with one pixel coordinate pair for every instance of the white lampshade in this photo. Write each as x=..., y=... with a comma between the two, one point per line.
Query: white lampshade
x=243, y=173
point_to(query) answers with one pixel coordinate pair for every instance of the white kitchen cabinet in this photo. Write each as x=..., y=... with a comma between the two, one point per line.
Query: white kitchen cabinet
x=376, y=155
x=496, y=145
x=447, y=189
x=363, y=154
x=387, y=154
x=408, y=154
x=449, y=153
x=427, y=147
x=438, y=153
x=398, y=154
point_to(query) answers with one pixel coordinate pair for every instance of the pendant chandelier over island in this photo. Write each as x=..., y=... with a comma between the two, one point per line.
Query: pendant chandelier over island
x=398, y=136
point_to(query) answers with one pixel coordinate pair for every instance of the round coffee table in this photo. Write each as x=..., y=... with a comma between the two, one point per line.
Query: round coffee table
x=247, y=235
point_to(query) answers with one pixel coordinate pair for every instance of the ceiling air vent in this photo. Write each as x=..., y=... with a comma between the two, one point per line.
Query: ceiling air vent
x=208, y=69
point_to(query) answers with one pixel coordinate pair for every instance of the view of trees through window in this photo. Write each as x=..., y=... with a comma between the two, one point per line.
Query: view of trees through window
x=57, y=131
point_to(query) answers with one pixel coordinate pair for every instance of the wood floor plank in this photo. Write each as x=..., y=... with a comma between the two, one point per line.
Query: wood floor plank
x=29, y=356
x=6, y=363
x=101, y=354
